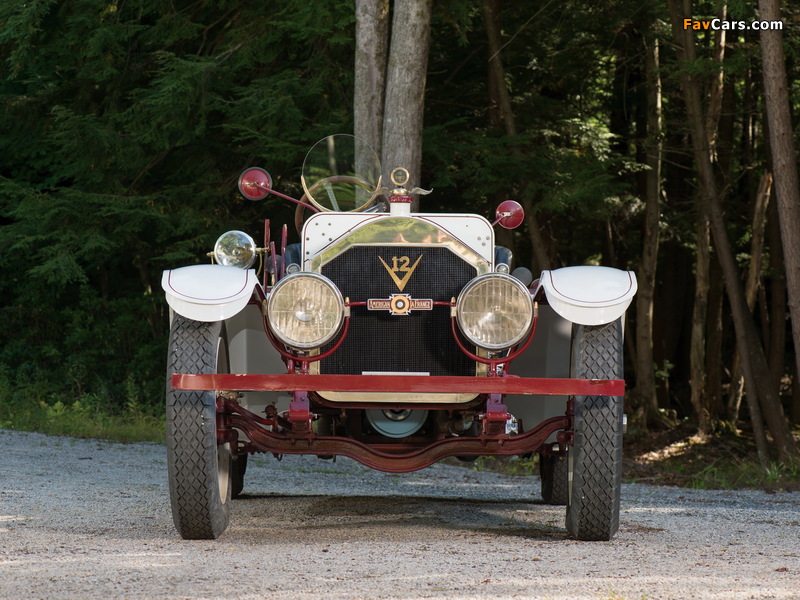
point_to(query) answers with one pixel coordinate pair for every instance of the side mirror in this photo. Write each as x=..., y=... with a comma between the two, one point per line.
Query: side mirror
x=509, y=214
x=255, y=183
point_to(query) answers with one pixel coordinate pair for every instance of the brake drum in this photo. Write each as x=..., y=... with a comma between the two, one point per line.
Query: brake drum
x=396, y=423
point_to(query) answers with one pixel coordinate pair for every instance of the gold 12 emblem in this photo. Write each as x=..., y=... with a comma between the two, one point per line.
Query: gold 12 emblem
x=401, y=265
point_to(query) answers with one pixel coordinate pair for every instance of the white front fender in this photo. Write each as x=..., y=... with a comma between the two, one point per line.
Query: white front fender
x=208, y=292
x=589, y=295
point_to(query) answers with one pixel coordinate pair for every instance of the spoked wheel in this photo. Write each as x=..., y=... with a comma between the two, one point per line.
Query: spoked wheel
x=554, y=472
x=595, y=457
x=200, y=471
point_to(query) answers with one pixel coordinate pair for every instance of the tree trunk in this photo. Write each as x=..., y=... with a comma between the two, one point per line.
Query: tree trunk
x=405, y=90
x=760, y=392
x=697, y=351
x=777, y=319
x=784, y=159
x=714, y=337
x=541, y=258
x=372, y=42
x=725, y=136
x=715, y=92
x=644, y=395
x=795, y=395
x=752, y=281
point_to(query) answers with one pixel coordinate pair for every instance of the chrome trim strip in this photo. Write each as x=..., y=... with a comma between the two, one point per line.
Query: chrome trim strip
x=398, y=231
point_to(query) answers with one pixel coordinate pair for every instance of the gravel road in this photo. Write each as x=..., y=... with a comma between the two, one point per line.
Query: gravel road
x=89, y=519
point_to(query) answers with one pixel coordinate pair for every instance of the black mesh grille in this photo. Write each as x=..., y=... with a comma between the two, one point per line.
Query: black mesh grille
x=378, y=341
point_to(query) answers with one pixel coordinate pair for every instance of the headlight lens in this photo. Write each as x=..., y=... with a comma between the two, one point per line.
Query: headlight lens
x=494, y=311
x=235, y=249
x=305, y=310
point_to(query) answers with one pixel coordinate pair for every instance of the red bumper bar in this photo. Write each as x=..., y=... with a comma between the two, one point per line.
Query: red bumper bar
x=402, y=383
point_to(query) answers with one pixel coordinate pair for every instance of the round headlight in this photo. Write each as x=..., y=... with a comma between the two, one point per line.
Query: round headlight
x=494, y=311
x=305, y=310
x=235, y=249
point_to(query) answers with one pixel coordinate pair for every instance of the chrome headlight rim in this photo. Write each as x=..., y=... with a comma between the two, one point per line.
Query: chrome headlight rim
x=247, y=244
x=280, y=288
x=516, y=287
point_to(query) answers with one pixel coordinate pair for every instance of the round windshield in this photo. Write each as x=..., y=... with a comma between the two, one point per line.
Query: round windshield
x=341, y=173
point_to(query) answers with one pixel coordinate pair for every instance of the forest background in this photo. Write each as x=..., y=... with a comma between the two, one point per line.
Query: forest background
x=631, y=142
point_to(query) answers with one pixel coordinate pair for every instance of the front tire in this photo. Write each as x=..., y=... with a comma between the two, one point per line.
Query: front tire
x=554, y=473
x=238, y=469
x=595, y=457
x=199, y=469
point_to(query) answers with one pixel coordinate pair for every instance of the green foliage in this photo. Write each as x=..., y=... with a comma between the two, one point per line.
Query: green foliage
x=565, y=159
x=732, y=472
x=510, y=465
x=126, y=125
x=35, y=406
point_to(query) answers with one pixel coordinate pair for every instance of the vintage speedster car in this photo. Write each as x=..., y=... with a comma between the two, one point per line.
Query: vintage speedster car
x=393, y=338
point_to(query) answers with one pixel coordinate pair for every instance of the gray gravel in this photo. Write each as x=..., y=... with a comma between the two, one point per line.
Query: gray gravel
x=90, y=519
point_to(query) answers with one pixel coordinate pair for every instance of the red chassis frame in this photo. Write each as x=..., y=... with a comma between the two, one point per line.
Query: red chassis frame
x=294, y=434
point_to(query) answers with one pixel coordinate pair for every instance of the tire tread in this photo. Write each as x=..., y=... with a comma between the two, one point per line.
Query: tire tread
x=197, y=509
x=593, y=512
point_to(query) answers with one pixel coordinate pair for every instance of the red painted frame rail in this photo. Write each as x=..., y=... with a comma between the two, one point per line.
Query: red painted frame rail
x=405, y=383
